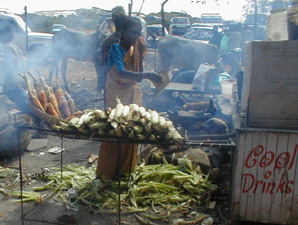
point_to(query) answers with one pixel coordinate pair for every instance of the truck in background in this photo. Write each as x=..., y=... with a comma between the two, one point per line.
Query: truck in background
x=179, y=25
x=261, y=19
x=212, y=18
x=37, y=42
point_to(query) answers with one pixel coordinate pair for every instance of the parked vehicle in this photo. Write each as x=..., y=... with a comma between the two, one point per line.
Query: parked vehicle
x=36, y=40
x=201, y=25
x=107, y=27
x=155, y=29
x=212, y=18
x=179, y=25
x=57, y=27
x=154, y=33
x=199, y=33
x=152, y=19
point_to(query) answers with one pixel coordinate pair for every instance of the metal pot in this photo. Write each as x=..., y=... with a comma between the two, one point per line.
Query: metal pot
x=12, y=142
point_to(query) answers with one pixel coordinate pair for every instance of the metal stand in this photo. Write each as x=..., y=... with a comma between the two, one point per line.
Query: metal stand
x=119, y=140
x=119, y=184
x=21, y=175
x=63, y=135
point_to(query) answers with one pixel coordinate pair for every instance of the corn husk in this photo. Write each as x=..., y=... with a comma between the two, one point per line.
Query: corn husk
x=131, y=121
x=149, y=186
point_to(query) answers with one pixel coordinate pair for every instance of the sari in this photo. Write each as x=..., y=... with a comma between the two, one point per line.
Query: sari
x=115, y=159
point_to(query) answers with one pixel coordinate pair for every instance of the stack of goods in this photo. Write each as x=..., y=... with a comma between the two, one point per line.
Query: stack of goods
x=128, y=121
x=45, y=102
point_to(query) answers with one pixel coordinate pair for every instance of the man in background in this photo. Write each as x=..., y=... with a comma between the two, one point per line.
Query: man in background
x=118, y=18
x=234, y=37
x=246, y=36
x=216, y=37
x=12, y=64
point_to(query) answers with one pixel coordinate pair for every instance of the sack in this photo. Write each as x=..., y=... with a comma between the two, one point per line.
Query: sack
x=200, y=77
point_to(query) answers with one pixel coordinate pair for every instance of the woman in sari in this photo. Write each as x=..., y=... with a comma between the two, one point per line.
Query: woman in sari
x=125, y=61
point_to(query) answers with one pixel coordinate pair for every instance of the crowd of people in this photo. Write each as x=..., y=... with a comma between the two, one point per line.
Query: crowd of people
x=231, y=43
x=230, y=38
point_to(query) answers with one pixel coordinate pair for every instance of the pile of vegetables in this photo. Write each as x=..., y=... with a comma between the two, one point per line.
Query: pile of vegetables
x=130, y=121
x=164, y=184
x=56, y=103
x=149, y=186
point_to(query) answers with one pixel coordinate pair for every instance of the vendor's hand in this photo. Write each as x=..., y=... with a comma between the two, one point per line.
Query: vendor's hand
x=153, y=77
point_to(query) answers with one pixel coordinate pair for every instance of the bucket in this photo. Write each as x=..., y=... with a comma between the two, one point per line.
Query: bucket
x=227, y=88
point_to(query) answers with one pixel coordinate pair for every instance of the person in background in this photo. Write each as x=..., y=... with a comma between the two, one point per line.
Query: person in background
x=246, y=35
x=126, y=70
x=118, y=18
x=216, y=37
x=224, y=48
x=234, y=37
x=12, y=64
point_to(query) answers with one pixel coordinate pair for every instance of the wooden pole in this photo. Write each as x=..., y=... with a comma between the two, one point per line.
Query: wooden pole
x=162, y=12
x=255, y=20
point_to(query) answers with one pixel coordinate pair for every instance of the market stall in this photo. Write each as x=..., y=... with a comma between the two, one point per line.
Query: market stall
x=124, y=123
x=265, y=161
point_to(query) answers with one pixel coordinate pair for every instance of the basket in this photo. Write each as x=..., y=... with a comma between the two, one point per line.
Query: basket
x=44, y=116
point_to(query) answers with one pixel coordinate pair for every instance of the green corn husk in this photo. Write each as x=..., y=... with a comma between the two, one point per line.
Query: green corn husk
x=112, y=132
x=74, y=121
x=114, y=124
x=150, y=185
x=124, y=128
x=148, y=129
x=83, y=130
x=66, y=127
x=152, y=137
x=131, y=117
x=102, y=132
x=100, y=125
x=131, y=135
x=26, y=196
x=138, y=129
x=142, y=121
x=141, y=136
x=119, y=132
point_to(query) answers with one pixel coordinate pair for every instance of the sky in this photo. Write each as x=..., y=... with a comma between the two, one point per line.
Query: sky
x=231, y=10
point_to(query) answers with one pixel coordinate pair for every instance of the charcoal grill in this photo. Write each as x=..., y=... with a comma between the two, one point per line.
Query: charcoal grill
x=187, y=118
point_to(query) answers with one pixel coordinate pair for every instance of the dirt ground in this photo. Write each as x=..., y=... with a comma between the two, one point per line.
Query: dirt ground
x=82, y=80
